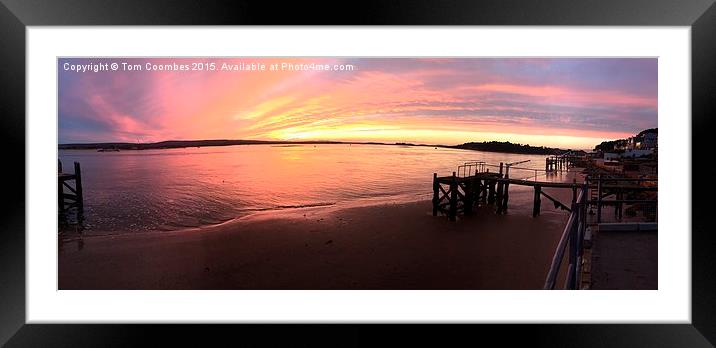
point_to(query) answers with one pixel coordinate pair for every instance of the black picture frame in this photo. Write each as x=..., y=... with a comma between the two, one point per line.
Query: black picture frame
x=16, y=15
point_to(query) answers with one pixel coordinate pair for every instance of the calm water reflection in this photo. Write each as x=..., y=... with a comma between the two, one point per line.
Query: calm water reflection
x=170, y=189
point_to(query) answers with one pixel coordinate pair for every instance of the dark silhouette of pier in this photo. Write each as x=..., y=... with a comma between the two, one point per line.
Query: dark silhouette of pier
x=474, y=185
x=72, y=182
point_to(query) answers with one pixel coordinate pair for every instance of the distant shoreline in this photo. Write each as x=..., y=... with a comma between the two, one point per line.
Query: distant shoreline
x=493, y=146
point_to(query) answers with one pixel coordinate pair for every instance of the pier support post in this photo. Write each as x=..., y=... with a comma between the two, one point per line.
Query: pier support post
x=436, y=193
x=537, y=202
x=506, y=193
x=60, y=197
x=491, y=192
x=505, y=197
x=78, y=188
x=469, y=198
x=453, y=198
x=501, y=164
x=478, y=191
x=500, y=188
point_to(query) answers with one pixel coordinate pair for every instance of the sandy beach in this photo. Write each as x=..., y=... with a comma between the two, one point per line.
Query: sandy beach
x=391, y=246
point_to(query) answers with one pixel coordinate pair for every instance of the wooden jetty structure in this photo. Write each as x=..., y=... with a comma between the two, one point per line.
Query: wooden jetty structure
x=473, y=185
x=73, y=198
x=564, y=161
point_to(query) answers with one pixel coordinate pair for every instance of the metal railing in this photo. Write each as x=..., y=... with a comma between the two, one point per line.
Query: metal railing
x=572, y=237
x=470, y=168
x=592, y=196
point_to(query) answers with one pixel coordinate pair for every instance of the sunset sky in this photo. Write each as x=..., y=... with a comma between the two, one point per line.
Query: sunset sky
x=567, y=103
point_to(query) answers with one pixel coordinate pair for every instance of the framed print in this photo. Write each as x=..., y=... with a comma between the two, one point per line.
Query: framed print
x=396, y=163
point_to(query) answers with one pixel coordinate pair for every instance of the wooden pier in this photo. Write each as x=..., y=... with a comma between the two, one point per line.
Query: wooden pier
x=561, y=162
x=74, y=197
x=473, y=185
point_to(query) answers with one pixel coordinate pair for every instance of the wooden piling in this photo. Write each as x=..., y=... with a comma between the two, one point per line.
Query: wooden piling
x=452, y=213
x=468, y=200
x=537, y=201
x=478, y=191
x=79, y=195
x=491, y=192
x=505, y=197
x=60, y=197
x=78, y=188
x=506, y=193
x=498, y=197
x=436, y=193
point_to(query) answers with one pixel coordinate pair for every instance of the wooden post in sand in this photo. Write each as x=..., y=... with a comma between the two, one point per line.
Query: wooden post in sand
x=436, y=192
x=500, y=187
x=453, y=198
x=478, y=191
x=491, y=192
x=538, y=201
x=506, y=194
x=468, y=199
x=78, y=194
x=60, y=197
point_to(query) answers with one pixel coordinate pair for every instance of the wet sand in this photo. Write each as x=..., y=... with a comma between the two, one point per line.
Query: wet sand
x=394, y=246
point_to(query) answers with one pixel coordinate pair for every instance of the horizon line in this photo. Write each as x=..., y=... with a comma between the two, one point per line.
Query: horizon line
x=256, y=141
